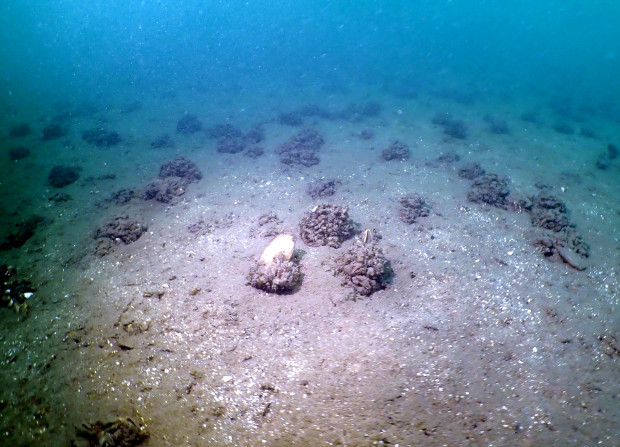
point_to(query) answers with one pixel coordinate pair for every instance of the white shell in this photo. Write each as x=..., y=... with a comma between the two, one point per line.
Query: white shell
x=283, y=243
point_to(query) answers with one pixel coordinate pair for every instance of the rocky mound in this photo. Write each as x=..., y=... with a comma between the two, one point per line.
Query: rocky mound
x=326, y=224
x=364, y=267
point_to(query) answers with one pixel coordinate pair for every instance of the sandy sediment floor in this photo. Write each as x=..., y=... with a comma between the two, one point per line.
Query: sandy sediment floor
x=478, y=340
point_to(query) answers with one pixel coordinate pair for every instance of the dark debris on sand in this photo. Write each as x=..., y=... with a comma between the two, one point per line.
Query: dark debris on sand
x=53, y=132
x=15, y=289
x=359, y=112
x=230, y=144
x=18, y=153
x=189, y=124
x=448, y=158
x=181, y=167
x=396, y=151
x=255, y=135
x=452, y=127
x=20, y=233
x=174, y=176
x=323, y=188
x=564, y=128
x=497, y=126
x=254, y=152
x=490, y=189
x=366, y=134
x=163, y=141
x=231, y=140
x=412, y=207
x=606, y=159
x=20, y=130
x=471, y=171
x=559, y=240
x=444, y=159
x=301, y=149
x=164, y=190
x=122, y=196
x=61, y=176
x=101, y=137
x=224, y=130
x=201, y=227
x=267, y=225
x=59, y=197
x=117, y=433
x=293, y=118
x=548, y=212
x=120, y=230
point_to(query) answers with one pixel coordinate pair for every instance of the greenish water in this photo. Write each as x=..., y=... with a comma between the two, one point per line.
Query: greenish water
x=557, y=49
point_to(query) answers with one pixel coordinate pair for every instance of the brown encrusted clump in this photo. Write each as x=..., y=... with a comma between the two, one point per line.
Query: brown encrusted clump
x=323, y=188
x=118, y=433
x=412, y=207
x=452, y=127
x=364, y=267
x=174, y=176
x=490, y=189
x=163, y=141
x=254, y=152
x=180, y=167
x=53, y=131
x=21, y=232
x=267, y=225
x=255, y=135
x=230, y=144
x=164, y=190
x=223, y=130
x=471, y=171
x=61, y=176
x=120, y=230
x=15, y=290
x=20, y=130
x=548, y=212
x=101, y=137
x=562, y=241
x=302, y=149
x=122, y=196
x=189, y=124
x=279, y=276
x=396, y=151
x=18, y=152
x=567, y=246
x=326, y=224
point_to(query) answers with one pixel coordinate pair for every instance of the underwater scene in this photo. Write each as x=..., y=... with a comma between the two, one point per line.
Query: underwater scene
x=340, y=223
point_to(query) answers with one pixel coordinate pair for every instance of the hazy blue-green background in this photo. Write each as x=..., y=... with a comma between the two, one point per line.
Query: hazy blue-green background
x=559, y=48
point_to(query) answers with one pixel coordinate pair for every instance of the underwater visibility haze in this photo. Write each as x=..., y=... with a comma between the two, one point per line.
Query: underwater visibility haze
x=354, y=223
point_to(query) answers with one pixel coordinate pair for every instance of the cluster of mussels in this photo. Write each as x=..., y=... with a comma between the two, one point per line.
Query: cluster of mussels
x=280, y=276
x=559, y=238
x=326, y=224
x=363, y=266
x=174, y=177
x=15, y=291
